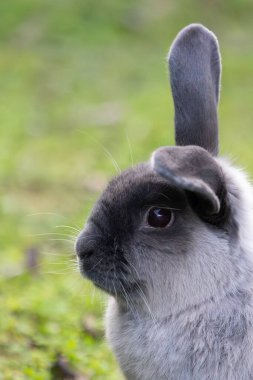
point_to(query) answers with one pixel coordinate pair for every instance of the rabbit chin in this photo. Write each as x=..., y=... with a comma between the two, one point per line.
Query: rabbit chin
x=113, y=285
x=101, y=281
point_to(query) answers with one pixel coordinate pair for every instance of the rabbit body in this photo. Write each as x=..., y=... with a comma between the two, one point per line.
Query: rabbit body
x=171, y=241
x=194, y=345
x=210, y=337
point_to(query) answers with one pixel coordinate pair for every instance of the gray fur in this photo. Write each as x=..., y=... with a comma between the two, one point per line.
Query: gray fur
x=192, y=169
x=194, y=63
x=181, y=300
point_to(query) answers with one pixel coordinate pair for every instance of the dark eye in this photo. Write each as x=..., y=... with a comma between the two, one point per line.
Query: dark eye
x=159, y=217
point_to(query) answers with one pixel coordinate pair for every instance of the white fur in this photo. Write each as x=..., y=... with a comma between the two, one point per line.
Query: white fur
x=238, y=182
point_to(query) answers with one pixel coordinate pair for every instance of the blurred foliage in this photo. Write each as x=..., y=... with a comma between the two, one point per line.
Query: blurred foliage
x=84, y=83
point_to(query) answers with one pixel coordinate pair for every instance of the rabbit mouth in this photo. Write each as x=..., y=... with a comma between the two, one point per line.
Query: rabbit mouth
x=111, y=283
x=107, y=283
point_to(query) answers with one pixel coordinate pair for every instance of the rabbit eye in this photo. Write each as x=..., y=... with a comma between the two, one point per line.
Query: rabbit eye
x=159, y=217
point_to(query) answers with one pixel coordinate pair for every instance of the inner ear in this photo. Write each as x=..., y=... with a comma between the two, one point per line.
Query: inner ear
x=193, y=170
x=201, y=208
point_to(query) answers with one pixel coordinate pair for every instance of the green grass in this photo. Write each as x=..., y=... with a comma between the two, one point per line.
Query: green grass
x=78, y=79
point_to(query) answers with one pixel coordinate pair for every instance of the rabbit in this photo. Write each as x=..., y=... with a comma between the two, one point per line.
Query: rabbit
x=171, y=241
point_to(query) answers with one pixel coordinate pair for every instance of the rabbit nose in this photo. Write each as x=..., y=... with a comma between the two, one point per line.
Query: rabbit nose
x=86, y=245
x=84, y=253
x=82, y=248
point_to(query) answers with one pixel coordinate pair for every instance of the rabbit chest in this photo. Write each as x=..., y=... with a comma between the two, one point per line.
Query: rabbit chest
x=188, y=346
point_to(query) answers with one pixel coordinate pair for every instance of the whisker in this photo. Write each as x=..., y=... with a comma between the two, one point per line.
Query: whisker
x=60, y=255
x=97, y=263
x=142, y=295
x=43, y=213
x=51, y=233
x=65, y=240
x=106, y=151
x=88, y=236
x=129, y=301
x=70, y=227
x=130, y=148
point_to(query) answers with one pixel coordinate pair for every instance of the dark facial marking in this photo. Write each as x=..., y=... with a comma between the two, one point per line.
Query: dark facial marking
x=104, y=247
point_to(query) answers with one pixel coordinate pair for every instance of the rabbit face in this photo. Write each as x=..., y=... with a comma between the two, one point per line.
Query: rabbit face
x=122, y=221
x=150, y=238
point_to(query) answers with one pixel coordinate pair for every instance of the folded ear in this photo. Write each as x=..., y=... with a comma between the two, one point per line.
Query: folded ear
x=194, y=65
x=193, y=170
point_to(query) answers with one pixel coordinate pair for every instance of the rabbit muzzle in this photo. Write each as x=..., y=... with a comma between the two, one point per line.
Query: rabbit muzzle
x=102, y=261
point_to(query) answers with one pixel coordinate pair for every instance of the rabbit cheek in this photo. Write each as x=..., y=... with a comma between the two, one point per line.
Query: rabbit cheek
x=102, y=274
x=101, y=262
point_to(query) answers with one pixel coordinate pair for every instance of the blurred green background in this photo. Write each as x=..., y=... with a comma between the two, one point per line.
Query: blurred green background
x=83, y=83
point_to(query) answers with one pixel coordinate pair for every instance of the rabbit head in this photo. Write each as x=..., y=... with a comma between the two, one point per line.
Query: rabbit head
x=165, y=234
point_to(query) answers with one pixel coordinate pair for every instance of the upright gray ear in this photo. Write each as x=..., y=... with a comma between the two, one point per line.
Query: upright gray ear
x=194, y=65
